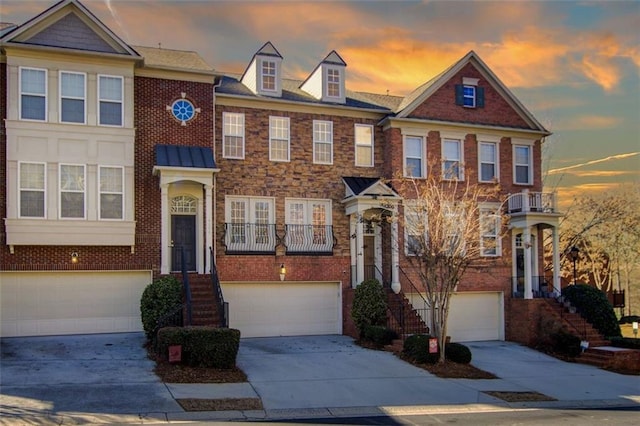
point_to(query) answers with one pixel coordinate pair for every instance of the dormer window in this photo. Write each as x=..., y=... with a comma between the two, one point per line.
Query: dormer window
x=269, y=75
x=469, y=93
x=333, y=83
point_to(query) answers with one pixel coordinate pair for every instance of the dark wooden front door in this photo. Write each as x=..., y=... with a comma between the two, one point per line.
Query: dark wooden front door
x=183, y=235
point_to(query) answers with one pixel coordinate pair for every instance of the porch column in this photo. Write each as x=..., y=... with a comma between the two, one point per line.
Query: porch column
x=395, y=258
x=165, y=230
x=352, y=249
x=208, y=227
x=556, y=260
x=359, y=249
x=526, y=243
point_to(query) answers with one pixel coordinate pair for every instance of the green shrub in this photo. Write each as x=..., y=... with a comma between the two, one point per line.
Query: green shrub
x=369, y=305
x=379, y=335
x=594, y=306
x=201, y=346
x=159, y=298
x=625, y=342
x=416, y=348
x=566, y=343
x=629, y=319
x=457, y=352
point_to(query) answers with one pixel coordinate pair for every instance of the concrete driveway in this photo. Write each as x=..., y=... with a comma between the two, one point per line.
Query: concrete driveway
x=108, y=379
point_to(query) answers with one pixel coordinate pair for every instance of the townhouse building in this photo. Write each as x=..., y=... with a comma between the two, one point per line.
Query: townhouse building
x=125, y=163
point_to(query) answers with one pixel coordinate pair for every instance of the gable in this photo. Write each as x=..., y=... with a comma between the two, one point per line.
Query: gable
x=495, y=110
x=72, y=33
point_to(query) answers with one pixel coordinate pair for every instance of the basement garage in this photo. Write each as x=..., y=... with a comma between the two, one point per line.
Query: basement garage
x=53, y=303
x=284, y=308
x=476, y=316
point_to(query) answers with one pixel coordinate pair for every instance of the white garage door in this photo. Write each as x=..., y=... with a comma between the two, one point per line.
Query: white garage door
x=284, y=309
x=50, y=303
x=476, y=317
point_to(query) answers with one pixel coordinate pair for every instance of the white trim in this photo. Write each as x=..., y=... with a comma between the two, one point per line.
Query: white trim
x=444, y=138
x=262, y=74
x=44, y=189
x=529, y=165
x=488, y=141
x=469, y=81
x=84, y=191
x=99, y=100
x=240, y=123
x=494, y=207
x=121, y=193
x=61, y=97
x=423, y=154
x=45, y=94
x=318, y=143
x=272, y=119
x=370, y=146
x=340, y=83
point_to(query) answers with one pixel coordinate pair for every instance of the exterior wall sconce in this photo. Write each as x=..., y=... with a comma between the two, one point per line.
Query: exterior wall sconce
x=74, y=257
x=283, y=272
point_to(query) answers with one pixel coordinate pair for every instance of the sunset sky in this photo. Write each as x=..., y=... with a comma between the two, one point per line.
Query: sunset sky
x=574, y=64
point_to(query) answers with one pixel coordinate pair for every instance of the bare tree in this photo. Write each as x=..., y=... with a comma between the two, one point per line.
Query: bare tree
x=450, y=225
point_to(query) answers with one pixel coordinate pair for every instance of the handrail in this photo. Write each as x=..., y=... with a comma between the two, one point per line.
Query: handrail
x=526, y=201
x=223, y=307
x=414, y=288
x=185, y=283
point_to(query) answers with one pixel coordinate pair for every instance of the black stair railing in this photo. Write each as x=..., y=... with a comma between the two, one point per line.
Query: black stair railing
x=223, y=307
x=186, y=285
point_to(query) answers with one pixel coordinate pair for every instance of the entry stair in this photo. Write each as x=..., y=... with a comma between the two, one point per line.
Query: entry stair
x=600, y=353
x=402, y=318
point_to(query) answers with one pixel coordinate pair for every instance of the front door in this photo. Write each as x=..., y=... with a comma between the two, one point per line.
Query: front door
x=183, y=237
x=369, y=257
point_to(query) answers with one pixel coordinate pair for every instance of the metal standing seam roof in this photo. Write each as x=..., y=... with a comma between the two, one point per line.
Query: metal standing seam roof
x=359, y=184
x=184, y=156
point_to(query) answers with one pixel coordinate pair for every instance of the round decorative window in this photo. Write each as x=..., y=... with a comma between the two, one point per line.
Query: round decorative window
x=183, y=110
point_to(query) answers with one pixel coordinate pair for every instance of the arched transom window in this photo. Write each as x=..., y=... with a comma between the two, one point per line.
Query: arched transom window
x=183, y=204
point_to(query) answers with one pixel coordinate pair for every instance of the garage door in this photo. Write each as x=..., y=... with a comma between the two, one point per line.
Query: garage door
x=476, y=317
x=284, y=309
x=50, y=303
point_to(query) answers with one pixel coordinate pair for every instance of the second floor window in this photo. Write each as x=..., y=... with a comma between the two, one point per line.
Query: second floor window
x=111, y=192
x=308, y=225
x=32, y=190
x=250, y=224
x=233, y=135
x=364, y=145
x=333, y=83
x=322, y=142
x=489, y=232
x=110, y=100
x=414, y=157
x=33, y=94
x=72, y=97
x=452, y=159
x=279, y=138
x=269, y=75
x=72, y=191
x=488, y=158
x=522, y=164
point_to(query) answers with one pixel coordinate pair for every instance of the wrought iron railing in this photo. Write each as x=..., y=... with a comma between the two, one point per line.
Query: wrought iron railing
x=317, y=239
x=223, y=307
x=255, y=238
x=185, y=284
x=524, y=202
x=422, y=307
x=541, y=287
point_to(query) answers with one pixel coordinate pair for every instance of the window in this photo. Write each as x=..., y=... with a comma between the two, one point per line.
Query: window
x=333, y=83
x=233, y=135
x=279, y=138
x=489, y=232
x=111, y=192
x=110, y=100
x=269, y=75
x=33, y=94
x=415, y=230
x=32, y=189
x=250, y=224
x=72, y=96
x=72, y=187
x=308, y=226
x=322, y=142
x=488, y=158
x=522, y=164
x=414, y=157
x=452, y=159
x=468, y=94
x=364, y=145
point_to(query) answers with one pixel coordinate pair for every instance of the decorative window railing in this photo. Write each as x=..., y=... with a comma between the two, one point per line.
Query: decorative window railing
x=309, y=239
x=254, y=238
x=540, y=202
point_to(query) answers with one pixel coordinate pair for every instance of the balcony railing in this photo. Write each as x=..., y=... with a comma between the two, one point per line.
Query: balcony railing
x=316, y=239
x=255, y=238
x=541, y=287
x=525, y=202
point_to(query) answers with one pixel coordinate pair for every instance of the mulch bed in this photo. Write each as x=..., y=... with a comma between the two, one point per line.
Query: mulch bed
x=519, y=396
x=179, y=373
x=227, y=404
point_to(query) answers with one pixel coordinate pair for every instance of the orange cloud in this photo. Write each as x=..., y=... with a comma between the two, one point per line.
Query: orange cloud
x=590, y=122
x=601, y=70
